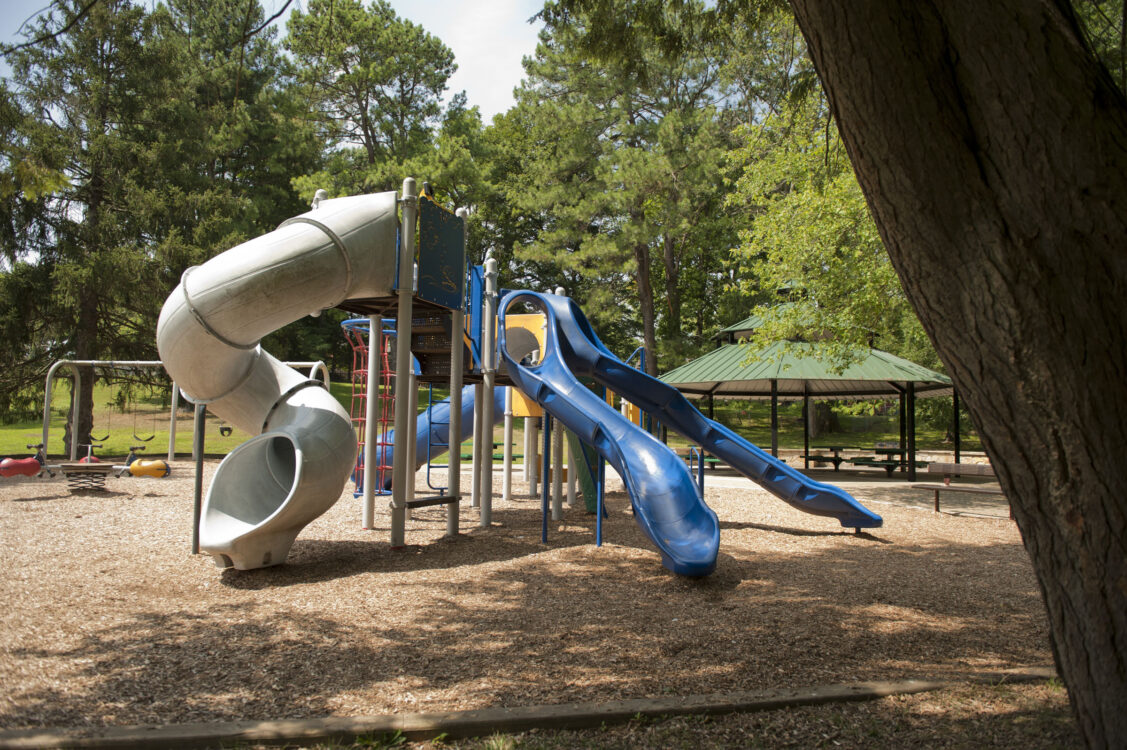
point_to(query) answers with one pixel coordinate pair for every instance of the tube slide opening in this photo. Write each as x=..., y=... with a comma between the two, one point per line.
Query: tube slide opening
x=255, y=479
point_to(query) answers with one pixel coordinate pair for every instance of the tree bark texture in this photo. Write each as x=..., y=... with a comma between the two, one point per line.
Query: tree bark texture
x=992, y=149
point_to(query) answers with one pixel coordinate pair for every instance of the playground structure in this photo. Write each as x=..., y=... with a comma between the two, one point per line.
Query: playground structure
x=361, y=254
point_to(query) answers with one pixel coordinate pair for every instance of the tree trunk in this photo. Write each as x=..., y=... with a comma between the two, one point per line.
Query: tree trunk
x=992, y=149
x=672, y=283
x=646, y=303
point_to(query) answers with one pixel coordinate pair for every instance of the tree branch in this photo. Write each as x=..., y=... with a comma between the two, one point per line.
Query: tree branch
x=264, y=24
x=47, y=37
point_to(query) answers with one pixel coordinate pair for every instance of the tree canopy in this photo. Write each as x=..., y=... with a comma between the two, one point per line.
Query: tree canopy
x=674, y=166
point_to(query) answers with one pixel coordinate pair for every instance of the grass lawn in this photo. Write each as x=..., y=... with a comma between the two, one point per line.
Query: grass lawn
x=145, y=420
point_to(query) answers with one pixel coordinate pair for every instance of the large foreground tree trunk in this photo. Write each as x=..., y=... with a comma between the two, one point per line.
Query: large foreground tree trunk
x=992, y=149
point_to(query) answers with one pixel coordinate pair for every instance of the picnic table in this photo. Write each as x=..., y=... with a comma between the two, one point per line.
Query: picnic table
x=836, y=459
x=948, y=470
x=687, y=453
x=887, y=458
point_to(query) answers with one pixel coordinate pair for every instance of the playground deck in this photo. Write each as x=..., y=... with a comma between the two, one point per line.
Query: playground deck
x=109, y=621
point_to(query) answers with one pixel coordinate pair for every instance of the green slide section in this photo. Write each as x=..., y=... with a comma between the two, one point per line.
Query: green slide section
x=586, y=464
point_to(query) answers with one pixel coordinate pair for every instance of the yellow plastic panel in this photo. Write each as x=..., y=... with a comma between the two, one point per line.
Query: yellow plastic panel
x=534, y=323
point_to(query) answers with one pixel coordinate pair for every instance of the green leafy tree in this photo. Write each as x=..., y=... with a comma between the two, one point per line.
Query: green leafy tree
x=173, y=137
x=375, y=79
x=623, y=169
x=812, y=239
x=991, y=153
x=91, y=101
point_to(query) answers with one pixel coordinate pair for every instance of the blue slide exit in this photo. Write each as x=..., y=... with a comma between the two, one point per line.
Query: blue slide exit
x=667, y=502
x=587, y=356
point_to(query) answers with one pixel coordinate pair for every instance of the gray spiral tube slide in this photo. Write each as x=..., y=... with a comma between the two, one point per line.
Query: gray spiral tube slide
x=304, y=446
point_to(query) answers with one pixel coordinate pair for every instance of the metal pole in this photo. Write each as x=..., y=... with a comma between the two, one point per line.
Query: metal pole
x=805, y=425
x=478, y=431
x=955, y=404
x=774, y=418
x=903, y=420
x=413, y=443
x=572, y=475
x=372, y=457
x=75, y=389
x=557, y=456
x=171, y=422
x=199, y=424
x=557, y=473
x=507, y=475
x=454, y=464
x=403, y=410
x=911, y=431
x=534, y=455
x=197, y=452
x=526, y=464
x=600, y=496
x=544, y=485
x=489, y=373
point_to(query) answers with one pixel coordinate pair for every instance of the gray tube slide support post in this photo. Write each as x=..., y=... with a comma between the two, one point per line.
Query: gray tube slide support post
x=371, y=403
x=197, y=486
x=532, y=455
x=404, y=409
x=524, y=462
x=304, y=446
x=413, y=443
x=454, y=463
x=172, y=422
x=489, y=374
x=572, y=476
x=476, y=454
x=507, y=476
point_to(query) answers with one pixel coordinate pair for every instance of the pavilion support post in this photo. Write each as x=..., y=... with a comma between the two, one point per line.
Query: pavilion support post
x=903, y=424
x=911, y=431
x=806, y=426
x=774, y=418
x=711, y=406
x=955, y=421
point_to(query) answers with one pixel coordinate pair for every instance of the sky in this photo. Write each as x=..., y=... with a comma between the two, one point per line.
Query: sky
x=489, y=39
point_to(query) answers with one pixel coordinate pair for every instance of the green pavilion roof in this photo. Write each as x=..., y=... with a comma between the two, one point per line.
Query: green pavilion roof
x=730, y=371
x=749, y=323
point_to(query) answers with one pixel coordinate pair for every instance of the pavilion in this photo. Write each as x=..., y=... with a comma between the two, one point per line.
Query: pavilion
x=791, y=371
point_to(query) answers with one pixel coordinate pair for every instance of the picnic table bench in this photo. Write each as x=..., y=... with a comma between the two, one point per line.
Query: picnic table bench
x=947, y=470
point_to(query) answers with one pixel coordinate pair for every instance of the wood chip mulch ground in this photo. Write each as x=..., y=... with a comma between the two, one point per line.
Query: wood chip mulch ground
x=108, y=620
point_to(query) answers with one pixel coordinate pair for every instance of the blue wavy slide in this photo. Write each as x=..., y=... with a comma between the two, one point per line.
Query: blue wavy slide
x=667, y=502
x=434, y=428
x=587, y=356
